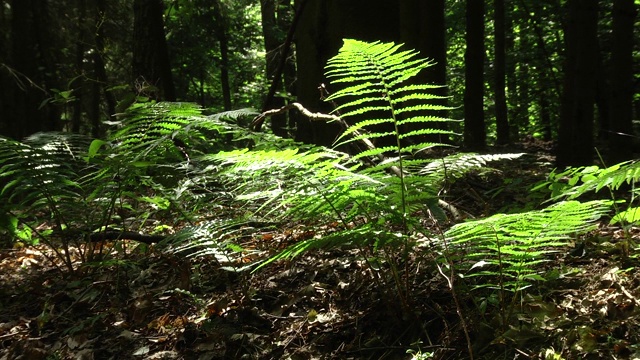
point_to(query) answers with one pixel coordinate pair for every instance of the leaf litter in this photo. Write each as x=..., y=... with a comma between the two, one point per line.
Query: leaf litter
x=324, y=305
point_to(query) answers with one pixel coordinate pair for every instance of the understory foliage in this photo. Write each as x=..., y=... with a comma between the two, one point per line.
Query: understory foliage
x=169, y=166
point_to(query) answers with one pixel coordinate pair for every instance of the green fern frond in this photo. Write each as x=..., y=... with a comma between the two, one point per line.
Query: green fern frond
x=583, y=180
x=234, y=115
x=366, y=235
x=375, y=75
x=217, y=240
x=519, y=242
x=457, y=165
x=40, y=178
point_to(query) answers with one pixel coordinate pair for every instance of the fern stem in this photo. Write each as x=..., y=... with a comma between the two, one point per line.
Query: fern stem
x=501, y=281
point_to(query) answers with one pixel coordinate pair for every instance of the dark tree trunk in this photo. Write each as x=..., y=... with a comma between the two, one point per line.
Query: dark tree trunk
x=221, y=34
x=319, y=36
x=272, y=43
x=285, y=16
x=102, y=81
x=502, y=122
x=575, y=135
x=620, y=139
x=79, y=83
x=32, y=65
x=511, y=74
x=151, y=66
x=475, y=136
x=603, y=98
x=422, y=27
x=545, y=116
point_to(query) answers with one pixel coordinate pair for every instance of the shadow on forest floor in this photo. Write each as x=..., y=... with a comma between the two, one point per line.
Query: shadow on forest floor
x=140, y=303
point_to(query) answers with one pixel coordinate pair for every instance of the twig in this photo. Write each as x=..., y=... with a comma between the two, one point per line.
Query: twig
x=256, y=125
x=283, y=55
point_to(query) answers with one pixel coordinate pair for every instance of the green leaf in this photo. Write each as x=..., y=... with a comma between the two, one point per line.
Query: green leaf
x=629, y=216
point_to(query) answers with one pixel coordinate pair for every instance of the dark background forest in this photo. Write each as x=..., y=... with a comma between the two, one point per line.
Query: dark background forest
x=319, y=179
x=562, y=71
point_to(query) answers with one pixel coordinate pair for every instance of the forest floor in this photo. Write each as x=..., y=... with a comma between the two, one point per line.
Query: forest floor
x=142, y=303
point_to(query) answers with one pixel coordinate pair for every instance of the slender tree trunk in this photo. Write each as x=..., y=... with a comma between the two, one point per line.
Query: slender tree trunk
x=502, y=122
x=32, y=63
x=221, y=34
x=620, y=139
x=475, y=137
x=78, y=85
x=422, y=27
x=285, y=15
x=545, y=116
x=100, y=71
x=151, y=66
x=603, y=98
x=575, y=135
x=272, y=43
x=511, y=74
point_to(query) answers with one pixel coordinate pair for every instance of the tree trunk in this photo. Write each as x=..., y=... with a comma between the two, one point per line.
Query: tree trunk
x=99, y=69
x=620, y=139
x=79, y=83
x=285, y=15
x=475, y=136
x=422, y=27
x=319, y=36
x=511, y=73
x=575, y=135
x=151, y=66
x=603, y=98
x=272, y=44
x=502, y=123
x=32, y=65
x=221, y=33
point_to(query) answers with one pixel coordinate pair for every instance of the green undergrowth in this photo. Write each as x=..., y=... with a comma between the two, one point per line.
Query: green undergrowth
x=208, y=185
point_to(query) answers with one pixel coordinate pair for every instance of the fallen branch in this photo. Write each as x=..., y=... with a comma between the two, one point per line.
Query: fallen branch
x=128, y=235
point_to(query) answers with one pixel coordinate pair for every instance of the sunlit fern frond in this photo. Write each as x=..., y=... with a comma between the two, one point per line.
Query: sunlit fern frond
x=455, y=166
x=582, y=180
x=219, y=240
x=41, y=173
x=377, y=92
x=367, y=235
x=148, y=130
x=512, y=245
x=293, y=183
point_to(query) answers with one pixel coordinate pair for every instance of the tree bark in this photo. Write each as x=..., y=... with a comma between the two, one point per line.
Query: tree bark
x=475, y=136
x=575, y=135
x=621, y=135
x=502, y=122
x=221, y=34
x=100, y=71
x=32, y=67
x=272, y=43
x=422, y=27
x=79, y=83
x=151, y=66
x=511, y=73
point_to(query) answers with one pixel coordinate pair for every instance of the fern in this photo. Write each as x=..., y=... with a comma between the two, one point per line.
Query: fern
x=376, y=75
x=582, y=180
x=41, y=173
x=218, y=240
x=576, y=182
x=512, y=245
x=377, y=93
x=40, y=177
x=314, y=183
